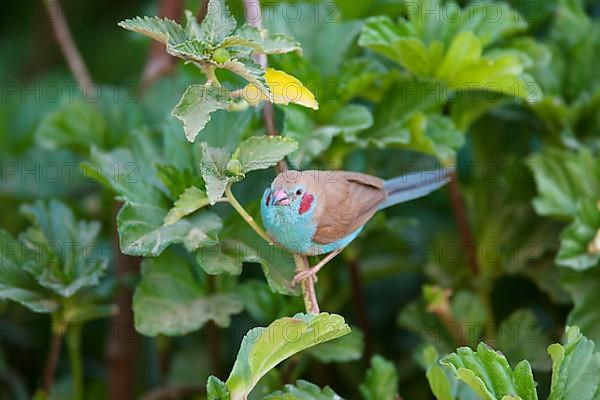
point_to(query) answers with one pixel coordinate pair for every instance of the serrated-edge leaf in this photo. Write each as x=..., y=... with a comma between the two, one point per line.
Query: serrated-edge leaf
x=261, y=152
x=217, y=24
x=252, y=72
x=196, y=105
x=163, y=30
x=190, y=200
x=381, y=381
x=304, y=390
x=171, y=300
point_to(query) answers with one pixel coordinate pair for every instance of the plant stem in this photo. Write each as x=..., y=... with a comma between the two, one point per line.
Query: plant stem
x=123, y=340
x=57, y=333
x=308, y=286
x=211, y=77
x=67, y=45
x=74, y=347
x=247, y=217
x=460, y=216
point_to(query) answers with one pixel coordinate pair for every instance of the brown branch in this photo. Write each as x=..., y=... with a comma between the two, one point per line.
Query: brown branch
x=268, y=113
x=460, y=216
x=56, y=337
x=123, y=339
x=358, y=297
x=202, y=11
x=67, y=45
x=159, y=61
x=174, y=392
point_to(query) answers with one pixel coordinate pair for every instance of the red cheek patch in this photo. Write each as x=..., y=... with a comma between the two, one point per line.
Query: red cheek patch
x=268, y=199
x=305, y=203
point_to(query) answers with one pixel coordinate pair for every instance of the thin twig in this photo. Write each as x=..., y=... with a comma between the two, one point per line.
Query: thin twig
x=67, y=44
x=123, y=339
x=247, y=217
x=460, y=216
x=57, y=334
x=308, y=285
x=74, y=347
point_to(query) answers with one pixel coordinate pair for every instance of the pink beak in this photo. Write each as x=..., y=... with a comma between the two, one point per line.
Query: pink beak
x=280, y=198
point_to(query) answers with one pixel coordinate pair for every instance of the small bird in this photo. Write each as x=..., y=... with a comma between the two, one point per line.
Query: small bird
x=319, y=212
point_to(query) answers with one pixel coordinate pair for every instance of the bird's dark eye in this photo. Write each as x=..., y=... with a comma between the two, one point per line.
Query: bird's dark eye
x=299, y=192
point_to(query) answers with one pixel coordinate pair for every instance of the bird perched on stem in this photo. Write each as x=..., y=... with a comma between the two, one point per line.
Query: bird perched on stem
x=319, y=212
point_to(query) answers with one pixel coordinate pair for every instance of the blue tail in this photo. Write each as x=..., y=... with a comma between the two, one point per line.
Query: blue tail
x=415, y=185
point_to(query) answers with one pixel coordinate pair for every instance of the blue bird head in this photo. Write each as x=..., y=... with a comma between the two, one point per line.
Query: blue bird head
x=287, y=207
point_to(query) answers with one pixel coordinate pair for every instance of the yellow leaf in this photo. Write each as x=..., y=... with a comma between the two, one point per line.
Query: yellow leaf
x=285, y=89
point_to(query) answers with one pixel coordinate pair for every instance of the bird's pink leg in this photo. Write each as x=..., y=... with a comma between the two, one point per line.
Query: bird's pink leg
x=313, y=271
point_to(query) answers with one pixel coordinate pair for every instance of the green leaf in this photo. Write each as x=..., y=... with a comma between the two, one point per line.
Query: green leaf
x=141, y=219
x=214, y=171
x=412, y=120
x=563, y=178
x=575, y=368
x=443, y=384
x=216, y=389
x=381, y=381
x=344, y=349
x=218, y=23
x=235, y=124
x=264, y=348
x=161, y=29
x=443, y=42
x=520, y=337
x=470, y=312
x=251, y=71
x=191, y=50
x=464, y=49
x=225, y=257
x=488, y=373
x=580, y=241
x=196, y=105
x=191, y=200
x=327, y=41
x=171, y=300
x=314, y=138
x=68, y=258
x=176, y=180
x=261, y=152
x=584, y=287
x=263, y=304
x=439, y=383
x=74, y=125
x=142, y=233
x=262, y=41
x=383, y=36
x=304, y=390
x=16, y=283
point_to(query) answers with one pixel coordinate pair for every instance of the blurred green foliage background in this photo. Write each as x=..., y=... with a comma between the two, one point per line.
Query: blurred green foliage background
x=529, y=180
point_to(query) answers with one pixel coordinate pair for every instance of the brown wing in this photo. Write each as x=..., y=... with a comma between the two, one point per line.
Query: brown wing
x=349, y=202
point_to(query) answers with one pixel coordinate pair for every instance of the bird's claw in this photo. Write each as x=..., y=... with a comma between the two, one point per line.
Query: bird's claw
x=302, y=275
